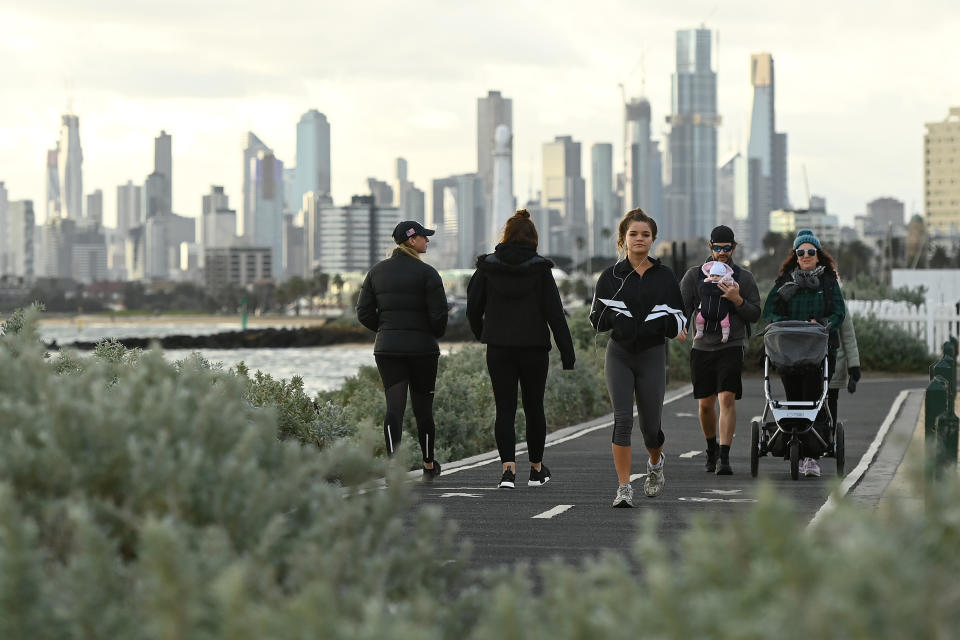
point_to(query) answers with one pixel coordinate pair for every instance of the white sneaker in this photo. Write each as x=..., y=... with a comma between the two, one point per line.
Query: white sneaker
x=810, y=467
x=624, y=497
x=654, y=481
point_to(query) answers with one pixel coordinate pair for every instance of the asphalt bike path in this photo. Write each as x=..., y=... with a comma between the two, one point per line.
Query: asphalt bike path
x=571, y=516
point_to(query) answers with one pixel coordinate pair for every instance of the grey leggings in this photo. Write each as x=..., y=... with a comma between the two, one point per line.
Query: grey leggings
x=642, y=376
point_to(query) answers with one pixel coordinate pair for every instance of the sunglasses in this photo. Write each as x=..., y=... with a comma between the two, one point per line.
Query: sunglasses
x=722, y=248
x=810, y=252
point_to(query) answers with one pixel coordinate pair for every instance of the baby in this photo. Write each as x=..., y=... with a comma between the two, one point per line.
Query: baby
x=714, y=313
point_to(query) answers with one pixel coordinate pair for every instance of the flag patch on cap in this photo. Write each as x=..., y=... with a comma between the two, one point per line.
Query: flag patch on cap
x=411, y=232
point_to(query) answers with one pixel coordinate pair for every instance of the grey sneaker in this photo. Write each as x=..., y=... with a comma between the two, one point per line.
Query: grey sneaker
x=624, y=497
x=653, y=482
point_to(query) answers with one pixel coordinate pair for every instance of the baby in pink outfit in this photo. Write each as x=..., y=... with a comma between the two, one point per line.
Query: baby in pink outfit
x=714, y=312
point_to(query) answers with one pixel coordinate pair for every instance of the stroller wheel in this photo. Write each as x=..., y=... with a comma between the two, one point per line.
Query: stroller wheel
x=838, y=450
x=795, y=459
x=754, y=447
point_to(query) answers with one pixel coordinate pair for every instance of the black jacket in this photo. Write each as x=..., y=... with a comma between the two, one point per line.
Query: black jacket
x=513, y=301
x=653, y=300
x=403, y=300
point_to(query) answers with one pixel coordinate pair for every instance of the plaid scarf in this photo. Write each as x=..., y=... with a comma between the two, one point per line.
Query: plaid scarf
x=801, y=279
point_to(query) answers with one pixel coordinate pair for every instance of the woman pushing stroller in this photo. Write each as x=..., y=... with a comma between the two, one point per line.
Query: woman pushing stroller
x=807, y=290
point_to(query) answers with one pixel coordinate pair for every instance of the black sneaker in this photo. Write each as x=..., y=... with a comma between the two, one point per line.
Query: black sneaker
x=507, y=480
x=539, y=478
x=430, y=474
x=711, y=464
x=724, y=469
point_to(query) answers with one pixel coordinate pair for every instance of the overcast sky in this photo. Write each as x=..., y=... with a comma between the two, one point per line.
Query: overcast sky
x=855, y=83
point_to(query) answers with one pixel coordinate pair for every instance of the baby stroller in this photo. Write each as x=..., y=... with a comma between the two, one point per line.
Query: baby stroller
x=795, y=432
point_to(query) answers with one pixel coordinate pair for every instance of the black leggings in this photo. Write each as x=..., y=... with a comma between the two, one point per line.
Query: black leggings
x=419, y=373
x=809, y=386
x=507, y=367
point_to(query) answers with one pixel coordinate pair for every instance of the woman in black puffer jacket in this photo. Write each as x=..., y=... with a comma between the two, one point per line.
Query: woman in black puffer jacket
x=512, y=305
x=403, y=300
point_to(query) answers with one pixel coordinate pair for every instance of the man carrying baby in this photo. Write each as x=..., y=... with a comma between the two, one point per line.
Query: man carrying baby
x=716, y=360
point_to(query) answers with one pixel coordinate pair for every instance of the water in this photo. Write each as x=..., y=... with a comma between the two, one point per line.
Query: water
x=322, y=368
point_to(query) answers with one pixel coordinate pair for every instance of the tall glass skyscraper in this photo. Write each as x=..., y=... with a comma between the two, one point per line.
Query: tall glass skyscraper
x=604, y=210
x=492, y=111
x=70, y=163
x=313, y=157
x=692, y=196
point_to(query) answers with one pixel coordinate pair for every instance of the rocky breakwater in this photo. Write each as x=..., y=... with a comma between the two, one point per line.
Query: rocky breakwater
x=269, y=338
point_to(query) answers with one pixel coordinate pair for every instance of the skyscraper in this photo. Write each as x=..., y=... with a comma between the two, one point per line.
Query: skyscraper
x=70, y=164
x=129, y=206
x=636, y=155
x=245, y=220
x=20, y=249
x=692, y=196
x=604, y=210
x=265, y=180
x=502, y=202
x=95, y=207
x=52, y=184
x=769, y=189
x=410, y=200
x=458, y=204
x=163, y=165
x=564, y=190
x=941, y=163
x=492, y=111
x=4, y=231
x=218, y=222
x=313, y=157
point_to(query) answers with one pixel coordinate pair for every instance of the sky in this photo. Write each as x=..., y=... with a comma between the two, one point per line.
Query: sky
x=855, y=83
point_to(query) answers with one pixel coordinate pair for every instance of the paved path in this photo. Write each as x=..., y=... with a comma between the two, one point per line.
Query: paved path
x=571, y=517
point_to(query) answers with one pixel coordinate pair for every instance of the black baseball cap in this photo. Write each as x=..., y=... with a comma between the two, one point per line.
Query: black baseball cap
x=409, y=228
x=722, y=233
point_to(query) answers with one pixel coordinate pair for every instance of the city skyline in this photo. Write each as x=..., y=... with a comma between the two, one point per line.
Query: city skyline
x=408, y=87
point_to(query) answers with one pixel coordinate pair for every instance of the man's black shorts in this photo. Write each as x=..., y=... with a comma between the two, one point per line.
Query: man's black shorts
x=716, y=371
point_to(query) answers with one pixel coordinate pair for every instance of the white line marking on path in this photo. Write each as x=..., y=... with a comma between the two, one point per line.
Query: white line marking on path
x=460, y=495
x=699, y=499
x=690, y=454
x=854, y=476
x=684, y=414
x=494, y=456
x=724, y=492
x=557, y=510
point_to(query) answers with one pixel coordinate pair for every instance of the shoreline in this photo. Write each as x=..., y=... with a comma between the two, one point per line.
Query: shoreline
x=271, y=320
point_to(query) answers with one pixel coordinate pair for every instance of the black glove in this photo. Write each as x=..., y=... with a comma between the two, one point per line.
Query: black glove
x=854, y=373
x=568, y=362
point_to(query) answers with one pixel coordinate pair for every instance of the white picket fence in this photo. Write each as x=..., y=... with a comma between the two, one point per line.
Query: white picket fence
x=933, y=323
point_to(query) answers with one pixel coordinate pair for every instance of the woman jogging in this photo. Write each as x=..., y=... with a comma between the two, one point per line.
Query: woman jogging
x=512, y=305
x=403, y=300
x=638, y=300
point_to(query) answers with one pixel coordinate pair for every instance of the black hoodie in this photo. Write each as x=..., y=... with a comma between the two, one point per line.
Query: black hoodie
x=513, y=301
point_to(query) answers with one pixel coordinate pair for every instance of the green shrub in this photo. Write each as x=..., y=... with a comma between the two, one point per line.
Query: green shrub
x=886, y=347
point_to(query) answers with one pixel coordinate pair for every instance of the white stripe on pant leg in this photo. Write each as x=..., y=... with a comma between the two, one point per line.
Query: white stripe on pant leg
x=390, y=438
x=427, y=452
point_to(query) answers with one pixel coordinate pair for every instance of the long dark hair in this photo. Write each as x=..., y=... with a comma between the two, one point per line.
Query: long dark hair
x=823, y=258
x=520, y=229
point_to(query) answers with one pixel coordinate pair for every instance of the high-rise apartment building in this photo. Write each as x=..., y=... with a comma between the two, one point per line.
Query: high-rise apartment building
x=769, y=148
x=381, y=191
x=218, y=222
x=52, y=185
x=886, y=213
x=458, y=217
x=691, y=200
x=265, y=182
x=355, y=237
x=492, y=111
x=70, y=164
x=238, y=266
x=604, y=210
x=564, y=189
x=410, y=200
x=941, y=168
x=313, y=157
x=129, y=206
x=95, y=207
x=245, y=220
x=163, y=167
x=20, y=235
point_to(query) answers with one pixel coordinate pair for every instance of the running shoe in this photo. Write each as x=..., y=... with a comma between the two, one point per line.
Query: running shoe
x=507, y=480
x=539, y=478
x=810, y=467
x=430, y=474
x=624, y=499
x=653, y=482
